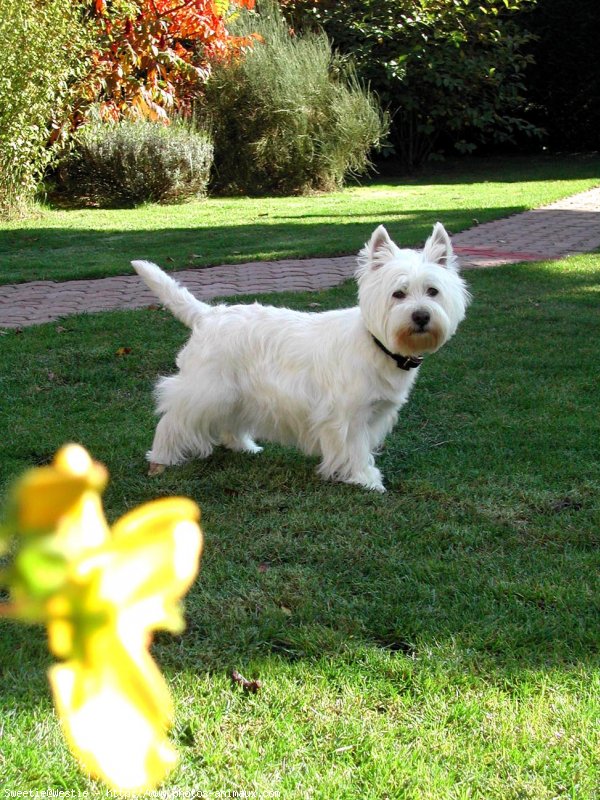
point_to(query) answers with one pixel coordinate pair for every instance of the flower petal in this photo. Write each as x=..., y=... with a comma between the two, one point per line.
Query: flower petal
x=114, y=737
x=64, y=495
x=43, y=496
x=154, y=560
x=155, y=515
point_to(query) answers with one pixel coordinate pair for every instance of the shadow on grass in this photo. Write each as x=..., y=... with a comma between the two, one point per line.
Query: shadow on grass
x=61, y=253
x=95, y=243
x=482, y=556
x=512, y=168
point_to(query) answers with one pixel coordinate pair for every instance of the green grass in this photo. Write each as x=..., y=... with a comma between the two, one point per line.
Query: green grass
x=437, y=642
x=63, y=244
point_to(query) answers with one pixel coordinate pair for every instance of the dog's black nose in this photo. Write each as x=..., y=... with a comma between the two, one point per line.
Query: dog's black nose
x=421, y=318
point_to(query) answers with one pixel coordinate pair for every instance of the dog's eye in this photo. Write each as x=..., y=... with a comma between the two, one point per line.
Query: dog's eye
x=432, y=292
x=399, y=295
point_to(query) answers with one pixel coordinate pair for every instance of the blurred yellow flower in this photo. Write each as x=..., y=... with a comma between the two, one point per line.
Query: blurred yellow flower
x=48, y=497
x=106, y=591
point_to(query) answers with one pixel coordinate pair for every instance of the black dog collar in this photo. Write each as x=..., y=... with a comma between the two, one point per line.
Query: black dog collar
x=403, y=362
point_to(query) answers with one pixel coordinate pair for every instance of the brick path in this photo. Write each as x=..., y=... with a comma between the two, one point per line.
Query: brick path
x=568, y=226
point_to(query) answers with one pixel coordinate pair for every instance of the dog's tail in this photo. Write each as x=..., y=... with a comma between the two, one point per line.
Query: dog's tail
x=175, y=297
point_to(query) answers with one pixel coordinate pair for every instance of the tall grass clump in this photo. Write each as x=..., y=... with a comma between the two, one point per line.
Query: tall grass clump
x=41, y=52
x=286, y=118
x=134, y=161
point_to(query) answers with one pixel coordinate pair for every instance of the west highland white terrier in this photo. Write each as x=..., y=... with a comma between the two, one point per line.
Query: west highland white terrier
x=330, y=383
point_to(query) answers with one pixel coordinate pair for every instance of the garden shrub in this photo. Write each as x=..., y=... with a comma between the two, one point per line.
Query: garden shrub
x=129, y=162
x=43, y=42
x=152, y=55
x=451, y=73
x=285, y=118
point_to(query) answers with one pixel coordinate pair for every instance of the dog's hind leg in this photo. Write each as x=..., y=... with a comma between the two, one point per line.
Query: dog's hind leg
x=164, y=450
x=182, y=430
x=174, y=441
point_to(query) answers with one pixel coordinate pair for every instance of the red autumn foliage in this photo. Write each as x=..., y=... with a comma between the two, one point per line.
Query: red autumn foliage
x=152, y=56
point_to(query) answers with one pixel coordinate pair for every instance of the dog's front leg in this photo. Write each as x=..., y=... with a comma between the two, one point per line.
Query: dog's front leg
x=347, y=457
x=381, y=422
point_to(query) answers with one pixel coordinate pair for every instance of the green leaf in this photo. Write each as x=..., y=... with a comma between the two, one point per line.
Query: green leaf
x=41, y=568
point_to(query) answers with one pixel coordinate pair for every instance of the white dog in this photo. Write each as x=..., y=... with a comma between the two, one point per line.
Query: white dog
x=330, y=383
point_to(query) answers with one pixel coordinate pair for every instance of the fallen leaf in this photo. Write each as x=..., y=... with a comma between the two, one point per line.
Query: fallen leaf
x=565, y=504
x=123, y=351
x=248, y=686
x=156, y=469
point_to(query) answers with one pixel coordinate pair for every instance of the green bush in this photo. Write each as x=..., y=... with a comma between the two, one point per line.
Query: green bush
x=135, y=161
x=42, y=46
x=285, y=118
x=450, y=71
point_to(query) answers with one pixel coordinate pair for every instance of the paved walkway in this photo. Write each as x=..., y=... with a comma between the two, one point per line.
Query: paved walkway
x=568, y=226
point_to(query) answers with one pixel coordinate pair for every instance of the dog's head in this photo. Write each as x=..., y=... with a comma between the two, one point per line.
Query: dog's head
x=412, y=301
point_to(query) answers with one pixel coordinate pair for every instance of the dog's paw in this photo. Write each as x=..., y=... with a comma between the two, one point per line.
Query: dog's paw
x=371, y=479
x=156, y=469
x=371, y=485
x=252, y=447
x=240, y=444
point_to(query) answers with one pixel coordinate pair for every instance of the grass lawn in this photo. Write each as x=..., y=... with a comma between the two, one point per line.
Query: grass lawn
x=439, y=641
x=63, y=244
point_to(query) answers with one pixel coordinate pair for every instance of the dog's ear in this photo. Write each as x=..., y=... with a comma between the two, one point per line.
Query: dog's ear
x=438, y=248
x=377, y=251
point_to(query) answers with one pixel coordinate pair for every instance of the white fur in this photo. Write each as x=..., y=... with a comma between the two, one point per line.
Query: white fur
x=314, y=380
